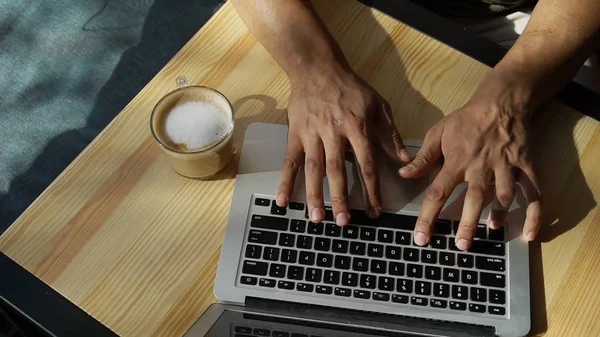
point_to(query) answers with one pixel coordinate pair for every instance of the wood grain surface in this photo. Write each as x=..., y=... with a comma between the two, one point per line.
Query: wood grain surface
x=136, y=245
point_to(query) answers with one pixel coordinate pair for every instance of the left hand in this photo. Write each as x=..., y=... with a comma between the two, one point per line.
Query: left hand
x=484, y=140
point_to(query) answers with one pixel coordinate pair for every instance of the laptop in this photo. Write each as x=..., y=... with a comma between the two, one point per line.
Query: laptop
x=281, y=275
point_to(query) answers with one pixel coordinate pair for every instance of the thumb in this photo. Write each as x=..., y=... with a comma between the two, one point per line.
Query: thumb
x=388, y=134
x=427, y=155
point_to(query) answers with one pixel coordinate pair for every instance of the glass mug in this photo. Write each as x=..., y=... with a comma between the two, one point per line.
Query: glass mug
x=198, y=163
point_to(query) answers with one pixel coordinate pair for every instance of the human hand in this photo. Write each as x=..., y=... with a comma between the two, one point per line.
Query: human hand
x=483, y=141
x=326, y=112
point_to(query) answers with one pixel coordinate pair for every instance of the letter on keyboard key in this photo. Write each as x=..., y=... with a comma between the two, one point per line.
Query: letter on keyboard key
x=340, y=246
x=350, y=232
x=269, y=222
x=322, y=244
x=378, y=266
x=264, y=237
x=396, y=268
x=367, y=234
x=450, y=274
x=358, y=248
x=324, y=260
x=414, y=270
x=438, y=242
x=359, y=264
x=342, y=262
x=490, y=263
x=385, y=236
x=469, y=276
x=403, y=238
x=375, y=250
x=493, y=280
x=255, y=268
x=465, y=261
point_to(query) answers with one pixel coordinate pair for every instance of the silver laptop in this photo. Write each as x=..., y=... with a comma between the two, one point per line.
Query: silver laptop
x=281, y=275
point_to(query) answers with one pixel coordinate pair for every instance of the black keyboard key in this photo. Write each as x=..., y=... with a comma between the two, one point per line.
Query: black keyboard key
x=367, y=234
x=396, y=269
x=455, y=227
x=465, y=261
x=345, y=292
x=414, y=270
x=438, y=242
x=367, y=281
x=385, y=236
x=324, y=290
x=250, y=280
x=243, y=329
x=277, y=270
x=264, y=237
x=315, y=228
x=383, y=297
x=253, y=251
x=404, y=286
x=460, y=292
x=433, y=273
x=490, y=263
x=342, y=262
x=322, y=244
x=324, y=260
x=428, y=256
x=396, y=298
x=435, y=303
x=411, y=254
x=496, y=310
x=295, y=334
x=295, y=273
x=277, y=210
x=350, y=279
x=421, y=301
x=269, y=222
x=458, y=305
x=287, y=239
x=496, y=234
x=398, y=221
x=358, y=248
x=443, y=226
x=468, y=277
x=447, y=259
x=265, y=282
x=422, y=288
x=481, y=231
x=329, y=214
x=298, y=206
x=362, y=294
x=403, y=238
x=255, y=268
x=487, y=247
x=307, y=258
x=332, y=229
x=478, y=294
x=288, y=285
x=393, y=252
x=386, y=283
x=304, y=242
x=493, y=280
x=360, y=264
x=331, y=277
x=262, y=332
x=497, y=296
x=378, y=266
x=350, y=232
x=271, y=254
x=340, y=246
x=289, y=256
x=305, y=287
x=298, y=226
x=474, y=307
x=313, y=275
x=375, y=250
x=441, y=290
x=450, y=274
x=281, y=334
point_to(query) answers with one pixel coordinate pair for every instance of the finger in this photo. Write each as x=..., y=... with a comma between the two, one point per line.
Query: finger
x=505, y=194
x=367, y=171
x=528, y=181
x=426, y=157
x=314, y=170
x=438, y=193
x=293, y=156
x=390, y=138
x=336, y=175
x=478, y=180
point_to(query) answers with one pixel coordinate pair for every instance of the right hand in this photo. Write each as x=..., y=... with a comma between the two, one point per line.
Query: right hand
x=327, y=111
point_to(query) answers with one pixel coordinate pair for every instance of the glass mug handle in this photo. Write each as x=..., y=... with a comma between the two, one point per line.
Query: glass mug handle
x=181, y=82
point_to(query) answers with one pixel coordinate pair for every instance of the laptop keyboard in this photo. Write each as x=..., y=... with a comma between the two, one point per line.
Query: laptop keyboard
x=246, y=331
x=373, y=260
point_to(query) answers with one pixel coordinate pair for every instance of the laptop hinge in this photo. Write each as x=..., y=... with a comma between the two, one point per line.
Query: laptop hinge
x=367, y=320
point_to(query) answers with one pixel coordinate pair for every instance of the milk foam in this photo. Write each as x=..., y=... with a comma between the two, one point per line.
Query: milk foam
x=196, y=124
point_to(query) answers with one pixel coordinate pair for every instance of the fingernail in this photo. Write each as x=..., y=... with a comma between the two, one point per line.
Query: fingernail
x=462, y=244
x=282, y=200
x=316, y=215
x=342, y=219
x=406, y=169
x=530, y=236
x=420, y=239
x=495, y=224
x=374, y=212
x=405, y=154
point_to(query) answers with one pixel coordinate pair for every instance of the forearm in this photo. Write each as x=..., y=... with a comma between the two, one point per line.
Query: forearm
x=293, y=34
x=559, y=37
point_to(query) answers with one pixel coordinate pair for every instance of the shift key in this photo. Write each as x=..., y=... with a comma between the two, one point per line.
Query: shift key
x=265, y=237
x=493, y=280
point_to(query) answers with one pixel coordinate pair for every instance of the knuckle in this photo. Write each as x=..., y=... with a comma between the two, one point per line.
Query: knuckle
x=313, y=165
x=314, y=198
x=289, y=164
x=436, y=194
x=368, y=170
x=334, y=165
x=505, y=194
x=476, y=194
x=339, y=202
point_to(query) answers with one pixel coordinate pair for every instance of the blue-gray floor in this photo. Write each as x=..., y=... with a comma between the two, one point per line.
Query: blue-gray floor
x=67, y=67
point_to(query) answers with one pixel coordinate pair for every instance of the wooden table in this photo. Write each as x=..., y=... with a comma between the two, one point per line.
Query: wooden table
x=136, y=246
